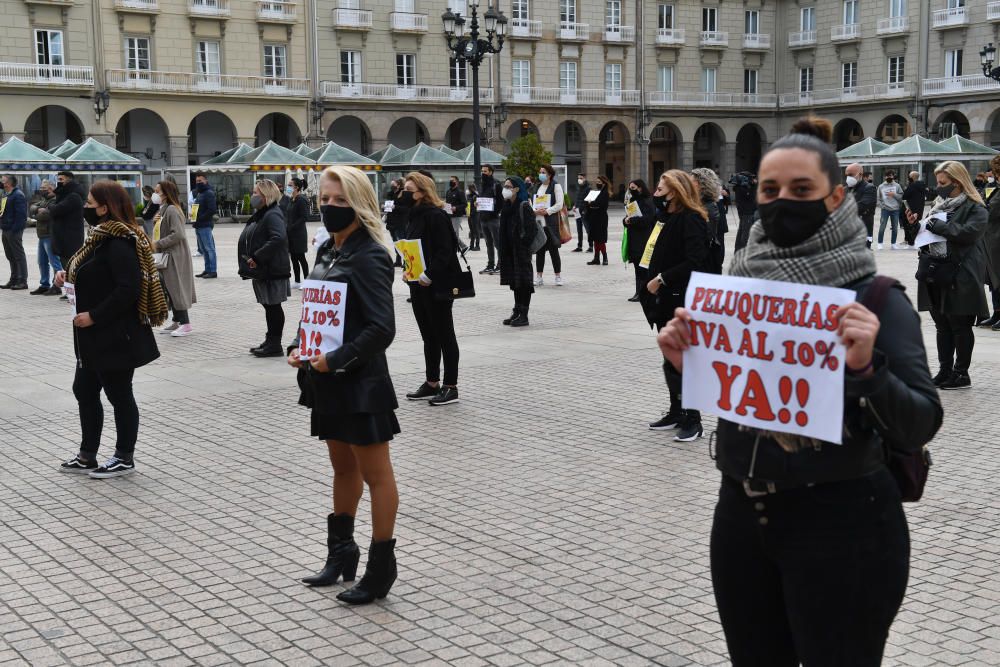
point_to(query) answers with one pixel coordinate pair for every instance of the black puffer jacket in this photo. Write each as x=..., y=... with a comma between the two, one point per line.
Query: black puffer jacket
x=67, y=219
x=265, y=242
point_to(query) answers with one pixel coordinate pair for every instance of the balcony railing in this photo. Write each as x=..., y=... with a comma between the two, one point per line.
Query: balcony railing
x=580, y=31
x=848, y=95
x=578, y=96
x=619, y=33
x=946, y=18
x=406, y=22
x=670, y=36
x=756, y=41
x=693, y=99
x=802, y=38
x=352, y=19
x=958, y=85
x=525, y=29
x=193, y=82
x=846, y=32
x=714, y=38
x=274, y=10
x=893, y=24
x=993, y=11
x=209, y=7
x=391, y=91
x=138, y=5
x=46, y=75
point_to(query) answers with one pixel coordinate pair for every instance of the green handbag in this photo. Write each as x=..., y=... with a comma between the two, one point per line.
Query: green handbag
x=625, y=246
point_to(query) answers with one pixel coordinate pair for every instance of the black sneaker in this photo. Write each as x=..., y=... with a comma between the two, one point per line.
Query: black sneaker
x=668, y=421
x=446, y=396
x=487, y=271
x=423, y=393
x=113, y=467
x=78, y=466
x=942, y=377
x=39, y=290
x=958, y=380
x=689, y=431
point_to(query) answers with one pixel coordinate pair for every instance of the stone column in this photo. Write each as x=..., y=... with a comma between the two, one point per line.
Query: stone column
x=177, y=150
x=249, y=141
x=687, y=156
x=7, y=135
x=592, y=165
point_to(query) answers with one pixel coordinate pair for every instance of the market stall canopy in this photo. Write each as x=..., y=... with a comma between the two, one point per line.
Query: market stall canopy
x=486, y=156
x=304, y=149
x=331, y=153
x=18, y=155
x=92, y=155
x=272, y=157
x=422, y=155
x=448, y=151
x=959, y=144
x=863, y=149
x=386, y=153
x=915, y=147
x=64, y=149
x=231, y=157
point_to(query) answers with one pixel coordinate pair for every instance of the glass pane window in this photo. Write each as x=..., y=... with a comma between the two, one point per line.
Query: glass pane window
x=850, y=75
x=275, y=61
x=137, y=54
x=567, y=76
x=751, y=22
x=709, y=19
x=458, y=73
x=406, y=69
x=708, y=77
x=350, y=67
x=521, y=73
x=613, y=77
x=806, y=80
x=850, y=12
x=665, y=17
x=956, y=4
x=953, y=62
x=49, y=47
x=519, y=10
x=897, y=8
x=897, y=68
x=567, y=11
x=665, y=78
x=209, y=61
x=750, y=81
x=613, y=13
x=807, y=19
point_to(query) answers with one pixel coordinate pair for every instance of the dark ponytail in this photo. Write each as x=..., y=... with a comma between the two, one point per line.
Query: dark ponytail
x=815, y=135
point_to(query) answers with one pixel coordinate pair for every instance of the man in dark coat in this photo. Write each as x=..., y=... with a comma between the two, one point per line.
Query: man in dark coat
x=13, y=220
x=580, y=208
x=745, y=191
x=915, y=197
x=864, y=196
x=991, y=241
x=66, y=214
x=490, y=220
x=204, y=222
x=455, y=198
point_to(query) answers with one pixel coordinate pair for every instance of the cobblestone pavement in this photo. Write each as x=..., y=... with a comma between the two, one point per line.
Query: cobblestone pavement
x=540, y=521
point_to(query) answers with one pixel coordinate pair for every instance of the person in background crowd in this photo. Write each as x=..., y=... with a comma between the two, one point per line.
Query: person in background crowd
x=580, y=209
x=66, y=213
x=263, y=258
x=118, y=299
x=790, y=506
x=490, y=220
x=205, y=221
x=397, y=218
x=725, y=200
x=12, y=223
x=914, y=199
x=38, y=209
x=864, y=197
x=390, y=190
x=681, y=247
x=870, y=177
x=597, y=218
x=530, y=185
x=745, y=193
x=549, y=217
x=349, y=391
x=519, y=230
x=455, y=198
x=296, y=216
x=890, y=199
x=149, y=210
x=475, y=230
x=980, y=183
x=432, y=307
x=638, y=231
x=992, y=243
x=951, y=273
x=709, y=188
x=177, y=278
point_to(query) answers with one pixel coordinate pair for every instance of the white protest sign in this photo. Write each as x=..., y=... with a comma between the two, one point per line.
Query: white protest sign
x=766, y=354
x=388, y=206
x=484, y=204
x=592, y=196
x=69, y=290
x=321, y=326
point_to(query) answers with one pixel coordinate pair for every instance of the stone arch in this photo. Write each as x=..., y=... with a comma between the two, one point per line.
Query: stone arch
x=143, y=134
x=992, y=137
x=50, y=125
x=351, y=132
x=709, y=141
x=665, y=145
x=459, y=134
x=614, y=148
x=893, y=128
x=279, y=128
x=407, y=132
x=951, y=122
x=521, y=127
x=750, y=142
x=209, y=133
x=847, y=132
x=569, y=147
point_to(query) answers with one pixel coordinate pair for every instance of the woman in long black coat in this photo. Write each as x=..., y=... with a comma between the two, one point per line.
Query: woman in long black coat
x=597, y=216
x=518, y=231
x=295, y=223
x=638, y=231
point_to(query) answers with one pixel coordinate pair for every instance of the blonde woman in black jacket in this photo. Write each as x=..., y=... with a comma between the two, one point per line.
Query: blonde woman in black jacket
x=349, y=389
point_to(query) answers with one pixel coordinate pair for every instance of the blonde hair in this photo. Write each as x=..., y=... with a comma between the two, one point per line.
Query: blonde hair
x=957, y=172
x=269, y=190
x=685, y=190
x=360, y=194
x=426, y=187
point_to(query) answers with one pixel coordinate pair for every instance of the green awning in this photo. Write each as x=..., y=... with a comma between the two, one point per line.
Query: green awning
x=232, y=156
x=863, y=149
x=331, y=153
x=448, y=151
x=959, y=144
x=101, y=156
x=486, y=156
x=64, y=149
x=915, y=147
x=422, y=155
x=275, y=156
x=14, y=151
x=304, y=149
x=386, y=153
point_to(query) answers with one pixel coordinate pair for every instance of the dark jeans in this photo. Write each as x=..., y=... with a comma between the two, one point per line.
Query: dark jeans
x=955, y=340
x=552, y=247
x=581, y=224
x=13, y=248
x=117, y=386
x=275, y=317
x=437, y=328
x=641, y=278
x=475, y=231
x=812, y=575
x=207, y=241
x=868, y=217
x=886, y=217
x=743, y=231
x=522, y=297
x=491, y=232
x=299, y=260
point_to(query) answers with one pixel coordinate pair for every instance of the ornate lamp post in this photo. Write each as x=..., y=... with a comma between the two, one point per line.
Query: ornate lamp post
x=988, y=56
x=102, y=100
x=471, y=50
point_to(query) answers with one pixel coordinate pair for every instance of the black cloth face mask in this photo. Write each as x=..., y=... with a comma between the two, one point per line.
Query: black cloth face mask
x=90, y=215
x=788, y=222
x=337, y=218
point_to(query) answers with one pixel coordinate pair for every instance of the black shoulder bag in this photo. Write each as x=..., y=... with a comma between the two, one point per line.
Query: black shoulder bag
x=458, y=285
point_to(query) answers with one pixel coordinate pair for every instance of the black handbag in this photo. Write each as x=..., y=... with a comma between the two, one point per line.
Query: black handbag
x=937, y=271
x=458, y=285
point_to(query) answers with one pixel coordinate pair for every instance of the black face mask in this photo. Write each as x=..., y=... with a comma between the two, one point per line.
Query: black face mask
x=90, y=215
x=406, y=198
x=337, y=218
x=454, y=184
x=659, y=200
x=789, y=222
x=944, y=191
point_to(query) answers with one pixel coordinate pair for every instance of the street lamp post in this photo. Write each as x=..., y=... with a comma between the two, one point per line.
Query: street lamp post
x=988, y=56
x=472, y=50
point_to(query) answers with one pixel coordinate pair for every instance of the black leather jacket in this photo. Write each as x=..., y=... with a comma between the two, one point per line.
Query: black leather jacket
x=265, y=241
x=358, y=380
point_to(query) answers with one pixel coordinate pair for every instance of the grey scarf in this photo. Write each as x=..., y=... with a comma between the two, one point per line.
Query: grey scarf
x=946, y=206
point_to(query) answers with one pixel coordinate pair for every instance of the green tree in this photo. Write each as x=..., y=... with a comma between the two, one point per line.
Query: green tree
x=526, y=156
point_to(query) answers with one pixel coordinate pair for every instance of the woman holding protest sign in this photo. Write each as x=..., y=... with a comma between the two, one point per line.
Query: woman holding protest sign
x=520, y=234
x=263, y=258
x=597, y=217
x=348, y=388
x=809, y=537
x=177, y=275
x=677, y=246
x=548, y=202
x=640, y=216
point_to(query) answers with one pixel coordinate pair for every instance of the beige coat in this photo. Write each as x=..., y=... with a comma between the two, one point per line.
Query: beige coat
x=178, y=277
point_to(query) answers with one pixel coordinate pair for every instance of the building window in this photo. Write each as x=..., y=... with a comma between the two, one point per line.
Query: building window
x=521, y=74
x=807, y=19
x=49, y=48
x=850, y=75
x=519, y=10
x=209, y=60
x=708, y=77
x=404, y=6
x=458, y=73
x=751, y=22
x=894, y=132
x=613, y=77
x=567, y=77
x=806, y=80
x=137, y=54
x=613, y=13
x=709, y=19
x=567, y=11
x=850, y=12
x=665, y=17
x=350, y=67
x=750, y=81
x=897, y=8
x=665, y=78
x=953, y=63
x=406, y=69
x=457, y=7
x=956, y=4
x=275, y=61
x=897, y=70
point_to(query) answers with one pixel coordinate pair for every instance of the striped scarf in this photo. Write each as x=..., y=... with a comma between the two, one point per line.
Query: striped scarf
x=152, y=305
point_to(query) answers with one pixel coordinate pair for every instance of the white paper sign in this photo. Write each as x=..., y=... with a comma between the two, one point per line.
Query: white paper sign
x=592, y=195
x=484, y=204
x=449, y=209
x=388, y=206
x=324, y=306
x=925, y=237
x=321, y=237
x=69, y=290
x=766, y=354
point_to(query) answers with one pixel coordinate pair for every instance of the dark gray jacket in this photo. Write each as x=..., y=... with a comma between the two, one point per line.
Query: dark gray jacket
x=964, y=230
x=991, y=239
x=865, y=196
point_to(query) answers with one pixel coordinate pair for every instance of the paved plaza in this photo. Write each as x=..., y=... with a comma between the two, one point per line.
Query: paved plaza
x=540, y=521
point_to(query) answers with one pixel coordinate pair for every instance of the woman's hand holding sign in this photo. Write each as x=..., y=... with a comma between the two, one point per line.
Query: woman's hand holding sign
x=857, y=327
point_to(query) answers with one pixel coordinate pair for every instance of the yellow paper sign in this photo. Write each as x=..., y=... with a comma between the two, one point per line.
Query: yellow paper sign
x=632, y=210
x=988, y=192
x=194, y=212
x=3, y=205
x=412, y=254
x=647, y=254
x=543, y=201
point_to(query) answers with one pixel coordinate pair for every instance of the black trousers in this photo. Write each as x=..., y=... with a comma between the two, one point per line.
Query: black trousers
x=868, y=218
x=955, y=340
x=491, y=232
x=522, y=297
x=552, y=247
x=275, y=317
x=13, y=248
x=180, y=316
x=581, y=225
x=117, y=386
x=437, y=328
x=743, y=231
x=299, y=260
x=475, y=233
x=812, y=575
x=641, y=278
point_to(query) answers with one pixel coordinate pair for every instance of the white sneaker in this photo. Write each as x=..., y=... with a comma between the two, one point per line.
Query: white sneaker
x=879, y=246
x=182, y=330
x=559, y=281
x=295, y=285
x=539, y=281
x=169, y=328
x=196, y=254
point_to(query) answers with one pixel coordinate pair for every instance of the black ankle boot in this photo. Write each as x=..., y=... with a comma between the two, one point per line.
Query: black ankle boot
x=342, y=552
x=604, y=254
x=522, y=318
x=514, y=314
x=270, y=348
x=988, y=323
x=380, y=574
x=597, y=259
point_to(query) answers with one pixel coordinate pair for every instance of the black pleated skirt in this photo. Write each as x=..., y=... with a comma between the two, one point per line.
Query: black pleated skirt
x=362, y=428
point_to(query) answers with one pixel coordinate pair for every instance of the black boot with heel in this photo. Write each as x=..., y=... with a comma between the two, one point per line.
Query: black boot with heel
x=522, y=317
x=514, y=314
x=380, y=574
x=342, y=552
